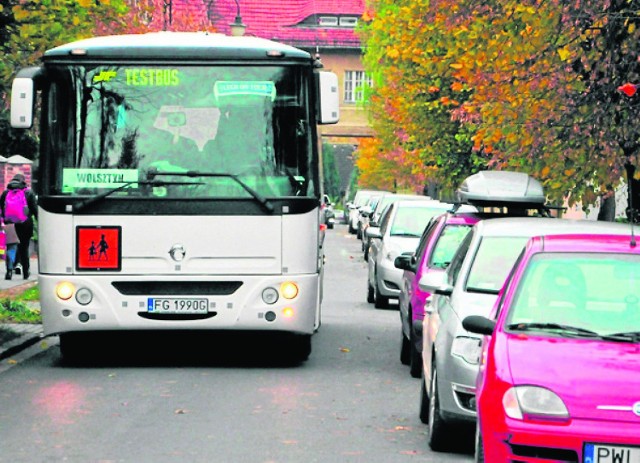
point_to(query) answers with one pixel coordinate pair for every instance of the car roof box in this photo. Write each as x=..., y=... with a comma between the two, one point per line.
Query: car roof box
x=501, y=188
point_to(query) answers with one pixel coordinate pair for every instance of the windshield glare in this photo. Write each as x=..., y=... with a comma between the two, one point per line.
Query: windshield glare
x=493, y=261
x=410, y=221
x=131, y=122
x=447, y=245
x=598, y=292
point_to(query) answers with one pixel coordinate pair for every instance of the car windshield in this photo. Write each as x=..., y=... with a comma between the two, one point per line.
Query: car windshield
x=594, y=292
x=447, y=245
x=410, y=221
x=495, y=257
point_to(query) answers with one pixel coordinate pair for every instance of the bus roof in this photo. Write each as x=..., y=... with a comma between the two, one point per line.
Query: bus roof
x=175, y=46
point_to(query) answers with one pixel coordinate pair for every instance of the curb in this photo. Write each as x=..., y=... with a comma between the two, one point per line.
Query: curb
x=20, y=343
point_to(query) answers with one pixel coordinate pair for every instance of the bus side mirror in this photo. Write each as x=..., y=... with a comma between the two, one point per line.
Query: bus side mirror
x=22, y=93
x=329, y=103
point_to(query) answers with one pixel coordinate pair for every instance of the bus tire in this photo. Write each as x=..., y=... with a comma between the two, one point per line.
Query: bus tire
x=301, y=347
x=72, y=347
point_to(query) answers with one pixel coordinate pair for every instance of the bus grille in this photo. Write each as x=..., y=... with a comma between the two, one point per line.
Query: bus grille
x=176, y=288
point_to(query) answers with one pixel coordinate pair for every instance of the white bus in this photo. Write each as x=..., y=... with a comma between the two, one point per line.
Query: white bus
x=178, y=185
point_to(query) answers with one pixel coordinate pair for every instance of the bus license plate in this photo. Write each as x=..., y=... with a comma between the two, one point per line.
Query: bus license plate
x=598, y=453
x=177, y=305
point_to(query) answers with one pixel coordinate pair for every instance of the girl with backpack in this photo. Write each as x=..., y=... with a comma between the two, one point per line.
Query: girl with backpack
x=18, y=206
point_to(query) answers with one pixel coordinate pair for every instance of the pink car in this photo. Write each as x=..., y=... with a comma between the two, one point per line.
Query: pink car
x=437, y=245
x=560, y=369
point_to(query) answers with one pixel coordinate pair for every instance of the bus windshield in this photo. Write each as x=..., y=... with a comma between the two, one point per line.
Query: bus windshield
x=113, y=126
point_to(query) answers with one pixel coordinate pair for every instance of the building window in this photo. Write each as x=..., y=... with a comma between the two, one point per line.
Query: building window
x=354, y=84
x=328, y=21
x=349, y=21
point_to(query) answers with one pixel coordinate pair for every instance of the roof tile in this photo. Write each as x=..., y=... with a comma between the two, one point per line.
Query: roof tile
x=280, y=19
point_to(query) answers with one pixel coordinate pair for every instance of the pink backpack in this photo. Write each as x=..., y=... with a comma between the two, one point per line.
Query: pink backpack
x=15, y=206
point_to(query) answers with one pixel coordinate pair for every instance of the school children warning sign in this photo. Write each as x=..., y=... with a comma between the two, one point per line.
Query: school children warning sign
x=98, y=248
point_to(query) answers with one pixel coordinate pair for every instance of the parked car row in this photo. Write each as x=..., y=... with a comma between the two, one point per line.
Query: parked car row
x=525, y=324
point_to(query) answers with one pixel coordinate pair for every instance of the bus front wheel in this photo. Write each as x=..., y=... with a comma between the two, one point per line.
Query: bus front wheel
x=300, y=346
x=72, y=347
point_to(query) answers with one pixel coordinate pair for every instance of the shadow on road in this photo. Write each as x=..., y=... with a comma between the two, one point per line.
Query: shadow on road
x=171, y=349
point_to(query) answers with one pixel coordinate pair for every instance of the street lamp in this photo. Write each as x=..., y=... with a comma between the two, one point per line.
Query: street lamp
x=237, y=27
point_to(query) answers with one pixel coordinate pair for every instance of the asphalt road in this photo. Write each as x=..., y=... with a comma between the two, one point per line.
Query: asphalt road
x=202, y=400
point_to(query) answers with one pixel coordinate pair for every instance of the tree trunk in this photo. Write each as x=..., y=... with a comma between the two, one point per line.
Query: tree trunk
x=607, y=209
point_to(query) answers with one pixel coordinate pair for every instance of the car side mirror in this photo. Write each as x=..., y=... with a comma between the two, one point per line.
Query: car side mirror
x=479, y=325
x=373, y=232
x=403, y=261
x=435, y=283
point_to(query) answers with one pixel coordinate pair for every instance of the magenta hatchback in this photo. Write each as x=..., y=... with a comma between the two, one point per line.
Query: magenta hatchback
x=560, y=370
x=438, y=244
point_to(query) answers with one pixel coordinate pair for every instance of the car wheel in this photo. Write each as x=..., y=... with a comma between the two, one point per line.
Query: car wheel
x=351, y=229
x=479, y=453
x=379, y=301
x=359, y=233
x=415, y=359
x=438, y=432
x=370, y=292
x=404, y=351
x=424, y=402
x=366, y=252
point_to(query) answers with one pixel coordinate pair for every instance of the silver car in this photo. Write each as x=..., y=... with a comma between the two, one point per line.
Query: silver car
x=374, y=217
x=360, y=199
x=401, y=226
x=470, y=286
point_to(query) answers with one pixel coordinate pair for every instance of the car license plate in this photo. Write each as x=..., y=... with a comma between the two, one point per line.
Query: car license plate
x=177, y=305
x=602, y=453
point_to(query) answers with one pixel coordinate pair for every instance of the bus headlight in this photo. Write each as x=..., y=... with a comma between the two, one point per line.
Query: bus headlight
x=289, y=289
x=84, y=296
x=270, y=296
x=65, y=290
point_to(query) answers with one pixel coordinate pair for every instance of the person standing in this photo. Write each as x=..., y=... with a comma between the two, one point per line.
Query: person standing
x=19, y=206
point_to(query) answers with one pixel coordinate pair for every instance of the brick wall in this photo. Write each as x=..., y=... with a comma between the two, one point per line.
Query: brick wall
x=12, y=166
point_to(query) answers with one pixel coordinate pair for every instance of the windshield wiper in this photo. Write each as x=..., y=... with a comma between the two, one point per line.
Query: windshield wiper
x=265, y=203
x=99, y=197
x=624, y=336
x=631, y=336
x=565, y=329
x=412, y=235
x=297, y=181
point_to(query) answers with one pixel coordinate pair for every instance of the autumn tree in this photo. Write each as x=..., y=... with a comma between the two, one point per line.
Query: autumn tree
x=522, y=85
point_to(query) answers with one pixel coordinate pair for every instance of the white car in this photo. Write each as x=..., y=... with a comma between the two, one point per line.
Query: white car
x=361, y=198
x=401, y=226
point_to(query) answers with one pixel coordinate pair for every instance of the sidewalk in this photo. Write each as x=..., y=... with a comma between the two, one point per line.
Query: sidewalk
x=15, y=337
